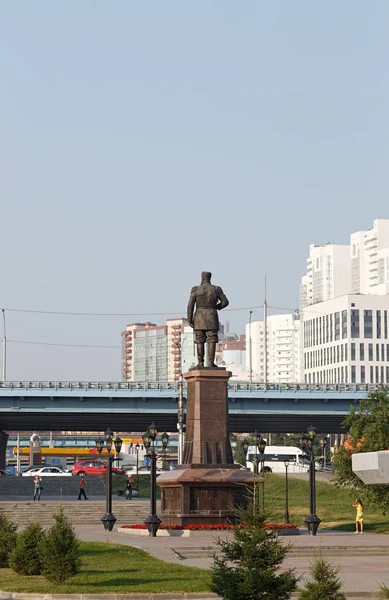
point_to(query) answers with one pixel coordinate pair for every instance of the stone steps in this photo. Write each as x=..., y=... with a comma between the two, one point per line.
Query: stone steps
x=79, y=512
x=52, y=486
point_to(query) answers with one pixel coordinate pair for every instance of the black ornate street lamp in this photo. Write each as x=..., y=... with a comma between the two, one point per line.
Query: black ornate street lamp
x=137, y=446
x=153, y=521
x=257, y=439
x=286, y=463
x=245, y=445
x=109, y=519
x=261, y=448
x=306, y=441
x=323, y=445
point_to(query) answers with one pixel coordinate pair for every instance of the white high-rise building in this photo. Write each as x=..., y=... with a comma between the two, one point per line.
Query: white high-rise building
x=370, y=259
x=359, y=268
x=328, y=274
x=283, y=349
x=345, y=340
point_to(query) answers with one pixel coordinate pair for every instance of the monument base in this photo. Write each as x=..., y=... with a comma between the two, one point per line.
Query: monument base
x=204, y=495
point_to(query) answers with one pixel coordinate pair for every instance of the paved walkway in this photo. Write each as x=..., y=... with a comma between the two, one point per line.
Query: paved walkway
x=363, y=559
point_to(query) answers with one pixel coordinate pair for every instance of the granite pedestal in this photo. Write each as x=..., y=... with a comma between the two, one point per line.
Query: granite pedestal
x=208, y=487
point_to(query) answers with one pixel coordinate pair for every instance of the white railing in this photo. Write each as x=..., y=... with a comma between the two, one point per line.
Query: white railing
x=233, y=386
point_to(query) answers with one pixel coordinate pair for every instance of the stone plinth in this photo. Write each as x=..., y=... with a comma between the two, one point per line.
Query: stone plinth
x=208, y=488
x=372, y=467
x=207, y=438
x=204, y=495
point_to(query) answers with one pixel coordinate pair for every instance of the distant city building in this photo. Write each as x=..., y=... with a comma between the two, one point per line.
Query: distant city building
x=152, y=352
x=283, y=349
x=231, y=354
x=345, y=340
x=362, y=267
x=370, y=259
x=344, y=301
x=328, y=274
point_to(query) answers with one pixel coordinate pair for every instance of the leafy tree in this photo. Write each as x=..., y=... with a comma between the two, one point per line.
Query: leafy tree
x=24, y=558
x=8, y=538
x=59, y=550
x=368, y=432
x=248, y=568
x=325, y=583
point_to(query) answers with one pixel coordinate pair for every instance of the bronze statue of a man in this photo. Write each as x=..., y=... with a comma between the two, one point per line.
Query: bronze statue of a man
x=208, y=299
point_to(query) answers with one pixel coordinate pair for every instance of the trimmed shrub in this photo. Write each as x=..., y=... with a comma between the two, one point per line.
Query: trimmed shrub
x=59, y=550
x=325, y=583
x=24, y=558
x=8, y=538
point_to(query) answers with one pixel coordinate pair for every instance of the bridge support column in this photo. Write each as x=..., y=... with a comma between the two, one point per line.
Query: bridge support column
x=3, y=448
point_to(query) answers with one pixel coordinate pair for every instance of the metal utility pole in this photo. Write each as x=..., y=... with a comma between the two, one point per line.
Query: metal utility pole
x=265, y=333
x=180, y=416
x=4, y=347
x=180, y=419
x=250, y=348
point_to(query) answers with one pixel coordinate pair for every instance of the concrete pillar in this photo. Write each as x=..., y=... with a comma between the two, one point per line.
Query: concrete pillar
x=3, y=448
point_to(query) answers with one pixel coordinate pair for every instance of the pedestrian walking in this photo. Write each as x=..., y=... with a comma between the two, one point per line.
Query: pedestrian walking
x=359, y=518
x=82, y=488
x=129, y=488
x=37, y=487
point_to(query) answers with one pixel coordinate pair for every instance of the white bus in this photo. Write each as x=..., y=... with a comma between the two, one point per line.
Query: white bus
x=274, y=459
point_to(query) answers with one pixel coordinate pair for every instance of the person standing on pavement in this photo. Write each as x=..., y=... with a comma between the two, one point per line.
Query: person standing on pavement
x=359, y=518
x=129, y=488
x=82, y=488
x=37, y=487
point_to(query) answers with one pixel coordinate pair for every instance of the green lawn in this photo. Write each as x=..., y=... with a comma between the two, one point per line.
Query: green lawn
x=333, y=505
x=109, y=568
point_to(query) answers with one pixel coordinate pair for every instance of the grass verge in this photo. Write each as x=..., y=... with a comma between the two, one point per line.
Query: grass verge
x=109, y=568
x=333, y=505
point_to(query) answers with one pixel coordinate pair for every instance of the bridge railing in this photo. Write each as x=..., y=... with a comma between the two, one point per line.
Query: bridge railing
x=235, y=386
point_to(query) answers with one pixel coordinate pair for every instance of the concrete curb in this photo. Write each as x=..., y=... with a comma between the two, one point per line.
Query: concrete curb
x=172, y=596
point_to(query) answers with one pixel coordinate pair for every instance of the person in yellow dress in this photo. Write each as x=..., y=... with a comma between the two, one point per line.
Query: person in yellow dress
x=359, y=518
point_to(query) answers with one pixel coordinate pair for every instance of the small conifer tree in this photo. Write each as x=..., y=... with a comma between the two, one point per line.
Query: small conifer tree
x=248, y=568
x=59, y=550
x=8, y=538
x=384, y=593
x=24, y=558
x=325, y=583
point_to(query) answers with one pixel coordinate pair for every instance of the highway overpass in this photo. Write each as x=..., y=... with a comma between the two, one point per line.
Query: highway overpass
x=128, y=406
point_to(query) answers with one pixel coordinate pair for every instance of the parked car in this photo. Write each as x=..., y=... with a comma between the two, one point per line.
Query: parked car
x=46, y=472
x=5, y=473
x=93, y=467
x=143, y=470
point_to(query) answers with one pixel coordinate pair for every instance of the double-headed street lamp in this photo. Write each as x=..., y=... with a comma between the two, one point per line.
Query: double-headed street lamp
x=109, y=519
x=306, y=441
x=153, y=521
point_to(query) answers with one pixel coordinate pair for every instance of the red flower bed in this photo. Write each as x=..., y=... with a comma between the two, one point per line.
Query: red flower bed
x=209, y=527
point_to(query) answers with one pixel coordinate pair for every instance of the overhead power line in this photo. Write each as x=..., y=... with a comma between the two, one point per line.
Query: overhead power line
x=93, y=314
x=62, y=345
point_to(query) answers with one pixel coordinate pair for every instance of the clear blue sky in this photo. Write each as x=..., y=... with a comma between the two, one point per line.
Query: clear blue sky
x=126, y=126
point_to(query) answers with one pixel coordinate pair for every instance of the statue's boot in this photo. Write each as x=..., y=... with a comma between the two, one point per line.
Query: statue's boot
x=211, y=355
x=200, y=356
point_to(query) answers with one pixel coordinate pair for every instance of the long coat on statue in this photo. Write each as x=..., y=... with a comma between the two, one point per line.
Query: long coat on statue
x=208, y=299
